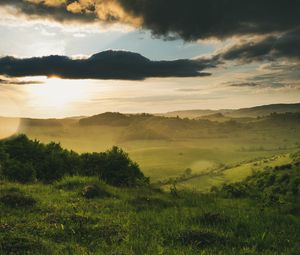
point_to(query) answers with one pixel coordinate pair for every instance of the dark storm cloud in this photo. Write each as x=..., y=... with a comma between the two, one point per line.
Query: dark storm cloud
x=194, y=19
x=105, y=65
x=277, y=20
x=188, y=19
x=270, y=48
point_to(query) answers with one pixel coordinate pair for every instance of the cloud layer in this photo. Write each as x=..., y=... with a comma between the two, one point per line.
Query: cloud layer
x=189, y=19
x=105, y=65
x=17, y=82
x=269, y=48
x=276, y=21
x=47, y=10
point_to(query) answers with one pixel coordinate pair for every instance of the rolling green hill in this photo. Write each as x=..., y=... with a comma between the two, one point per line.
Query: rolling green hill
x=166, y=147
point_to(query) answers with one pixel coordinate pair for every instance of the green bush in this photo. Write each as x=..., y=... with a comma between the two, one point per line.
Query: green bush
x=20, y=172
x=114, y=167
x=278, y=185
x=24, y=160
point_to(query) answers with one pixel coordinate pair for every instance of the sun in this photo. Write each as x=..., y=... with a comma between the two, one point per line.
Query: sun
x=57, y=93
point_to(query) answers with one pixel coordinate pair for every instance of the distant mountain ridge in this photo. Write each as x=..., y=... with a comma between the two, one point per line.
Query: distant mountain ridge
x=256, y=111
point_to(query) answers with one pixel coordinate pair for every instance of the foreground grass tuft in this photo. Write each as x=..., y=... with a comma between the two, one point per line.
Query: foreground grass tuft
x=14, y=198
x=22, y=245
x=200, y=238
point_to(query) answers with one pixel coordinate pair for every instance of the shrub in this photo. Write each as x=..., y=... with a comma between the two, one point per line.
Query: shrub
x=120, y=170
x=114, y=167
x=3, y=156
x=234, y=190
x=16, y=171
x=29, y=159
x=50, y=161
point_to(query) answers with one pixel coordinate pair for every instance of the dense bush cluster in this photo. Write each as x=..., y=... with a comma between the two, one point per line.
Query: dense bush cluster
x=280, y=184
x=24, y=160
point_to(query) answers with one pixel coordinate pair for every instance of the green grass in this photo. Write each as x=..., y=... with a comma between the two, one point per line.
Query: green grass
x=234, y=173
x=140, y=221
x=161, y=159
x=199, y=145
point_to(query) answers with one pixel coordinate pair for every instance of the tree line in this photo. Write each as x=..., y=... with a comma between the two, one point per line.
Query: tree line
x=25, y=160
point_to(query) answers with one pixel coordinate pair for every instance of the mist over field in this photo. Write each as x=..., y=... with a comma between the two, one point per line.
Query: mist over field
x=165, y=147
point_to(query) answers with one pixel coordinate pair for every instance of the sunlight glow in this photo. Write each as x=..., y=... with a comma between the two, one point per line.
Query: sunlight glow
x=8, y=127
x=57, y=93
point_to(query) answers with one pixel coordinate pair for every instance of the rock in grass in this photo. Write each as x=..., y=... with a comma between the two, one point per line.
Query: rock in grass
x=94, y=191
x=17, y=199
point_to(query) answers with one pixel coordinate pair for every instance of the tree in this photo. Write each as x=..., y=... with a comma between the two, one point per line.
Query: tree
x=14, y=170
x=120, y=170
x=113, y=166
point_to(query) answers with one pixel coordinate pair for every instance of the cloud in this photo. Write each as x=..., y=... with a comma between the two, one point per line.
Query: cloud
x=269, y=48
x=245, y=84
x=48, y=10
x=275, y=21
x=194, y=19
x=189, y=19
x=104, y=65
x=18, y=82
x=189, y=90
x=274, y=75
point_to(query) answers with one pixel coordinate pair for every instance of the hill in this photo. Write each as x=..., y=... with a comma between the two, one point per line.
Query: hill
x=165, y=147
x=192, y=114
x=265, y=110
x=252, y=112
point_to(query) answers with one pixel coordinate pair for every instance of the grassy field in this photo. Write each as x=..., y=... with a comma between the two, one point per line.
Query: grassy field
x=58, y=219
x=234, y=173
x=198, y=145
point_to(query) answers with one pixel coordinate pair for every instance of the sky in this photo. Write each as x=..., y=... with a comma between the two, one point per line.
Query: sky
x=61, y=58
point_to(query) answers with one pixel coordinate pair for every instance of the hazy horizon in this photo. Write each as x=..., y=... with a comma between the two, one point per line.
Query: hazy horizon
x=142, y=112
